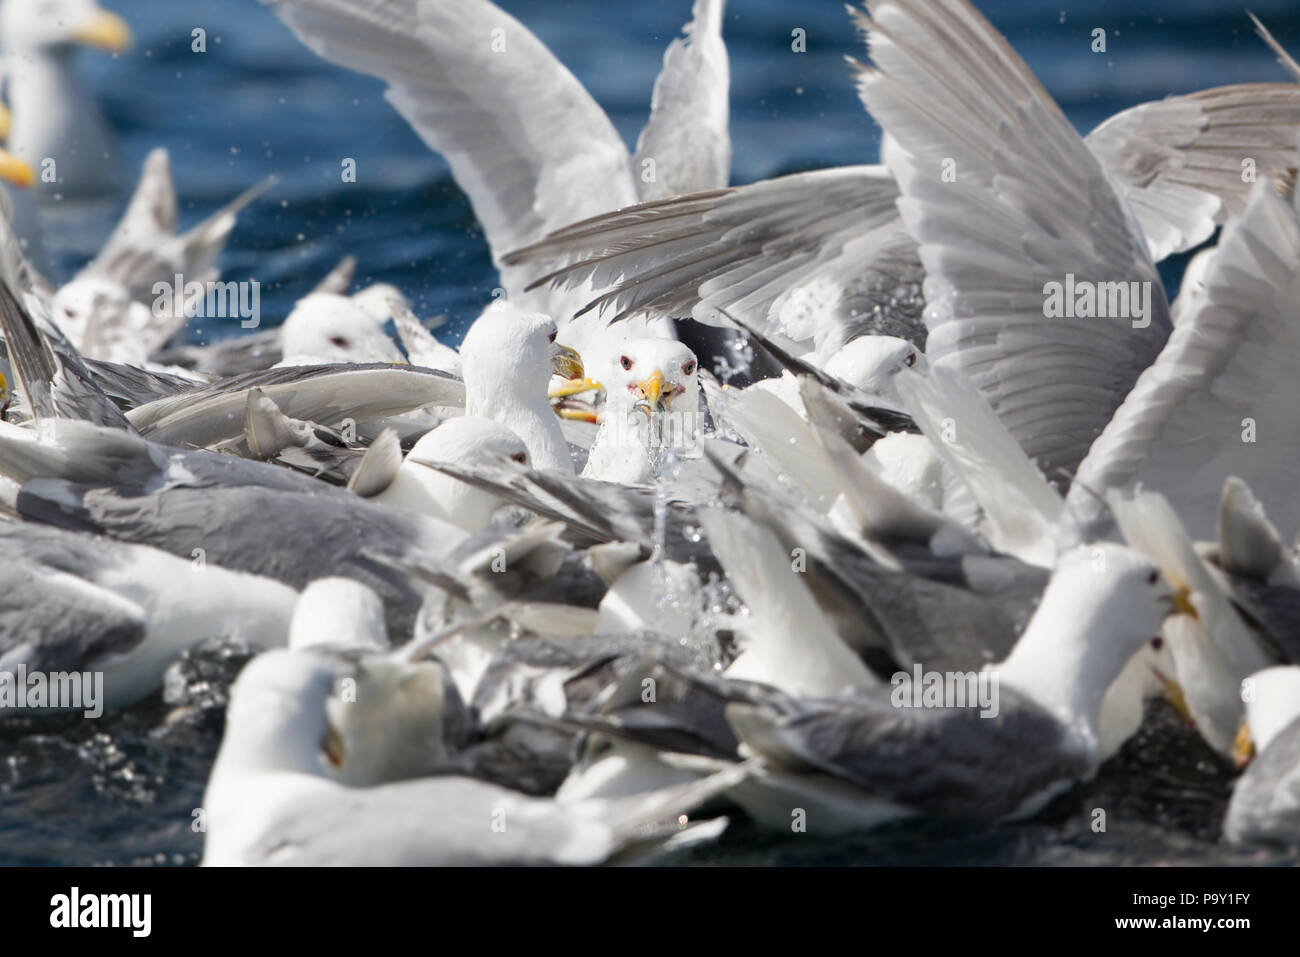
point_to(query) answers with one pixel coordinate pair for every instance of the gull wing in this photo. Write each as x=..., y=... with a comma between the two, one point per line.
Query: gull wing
x=524, y=139
x=144, y=248
x=1004, y=197
x=328, y=394
x=1220, y=400
x=1288, y=62
x=687, y=137
x=1180, y=162
x=932, y=759
x=804, y=255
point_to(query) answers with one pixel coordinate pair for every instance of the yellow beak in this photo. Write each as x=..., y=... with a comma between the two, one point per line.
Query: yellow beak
x=578, y=415
x=6, y=121
x=574, y=387
x=565, y=362
x=1243, y=748
x=104, y=31
x=1180, y=603
x=1173, y=693
x=13, y=170
x=650, y=389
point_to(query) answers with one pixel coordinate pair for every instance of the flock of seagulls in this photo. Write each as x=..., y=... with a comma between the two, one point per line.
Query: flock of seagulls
x=575, y=592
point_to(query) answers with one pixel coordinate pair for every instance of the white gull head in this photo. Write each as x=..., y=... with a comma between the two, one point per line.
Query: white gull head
x=652, y=402
x=871, y=362
x=1103, y=604
x=508, y=357
x=469, y=441
x=324, y=327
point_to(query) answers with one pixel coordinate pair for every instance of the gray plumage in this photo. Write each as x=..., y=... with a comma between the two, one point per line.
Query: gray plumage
x=284, y=535
x=941, y=761
x=328, y=394
x=50, y=604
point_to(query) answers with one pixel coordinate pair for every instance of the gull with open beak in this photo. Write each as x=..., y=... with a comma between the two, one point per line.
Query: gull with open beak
x=54, y=116
x=652, y=405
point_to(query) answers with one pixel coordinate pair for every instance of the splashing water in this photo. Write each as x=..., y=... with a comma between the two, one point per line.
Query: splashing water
x=735, y=361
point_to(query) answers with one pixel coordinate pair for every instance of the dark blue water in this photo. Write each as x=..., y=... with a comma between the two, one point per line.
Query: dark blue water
x=258, y=102
x=123, y=790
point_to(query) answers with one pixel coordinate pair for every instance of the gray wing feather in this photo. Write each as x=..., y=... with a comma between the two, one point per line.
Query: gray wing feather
x=1178, y=161
x=942, y=761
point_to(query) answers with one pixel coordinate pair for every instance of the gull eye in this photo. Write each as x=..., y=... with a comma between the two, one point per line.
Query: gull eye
x=340, y=341
x=689, y=367
x=910, y=360
x=625, y=362
x=520, y=457
x=1153, y=578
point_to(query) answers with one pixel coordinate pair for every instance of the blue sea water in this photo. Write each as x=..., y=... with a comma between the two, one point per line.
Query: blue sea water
x=124, y=790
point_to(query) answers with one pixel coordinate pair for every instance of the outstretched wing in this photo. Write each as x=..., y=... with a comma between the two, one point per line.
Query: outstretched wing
x=1220, y=400
x=1004, y=198
x=524, y=139
x=686, y=139
x=1186, y=163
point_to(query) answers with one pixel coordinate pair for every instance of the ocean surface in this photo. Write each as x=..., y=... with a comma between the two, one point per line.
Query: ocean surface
x=123, y=790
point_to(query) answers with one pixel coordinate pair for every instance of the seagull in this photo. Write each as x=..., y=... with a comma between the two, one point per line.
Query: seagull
x=217, y=509
x=342, y=613
x=396, y=718
x=1046, y=735
x=868, y=363
x=1067, y=392
x=269, y=801
x=651, y=408
x=508, y=357
x=265, y=349
x=530, y=147
x=1244, y=589
x=83, y=603
x=54, y=118
x=1188, y=423
x=1265, y=805
x=856, y=754
x=470, y=440
x=124, y=305
x=327, y=328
